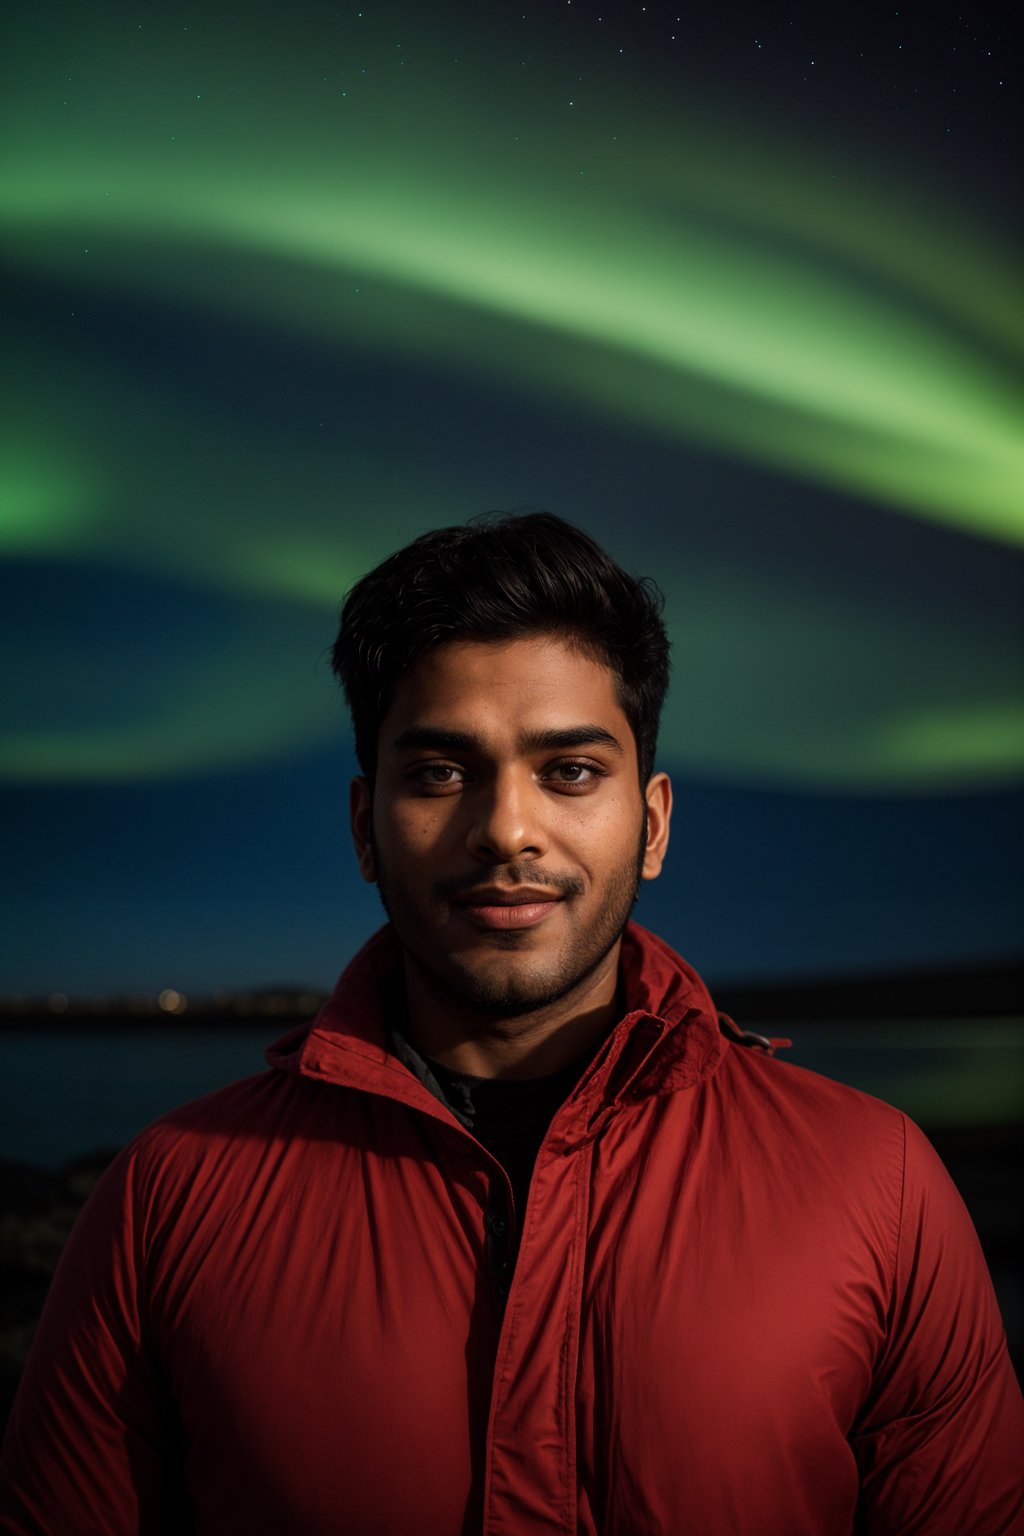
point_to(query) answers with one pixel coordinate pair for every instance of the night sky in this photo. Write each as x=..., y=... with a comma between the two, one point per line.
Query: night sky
x=735, y=288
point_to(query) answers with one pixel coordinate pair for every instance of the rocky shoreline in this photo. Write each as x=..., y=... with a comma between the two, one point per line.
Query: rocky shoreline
x=38, y=1207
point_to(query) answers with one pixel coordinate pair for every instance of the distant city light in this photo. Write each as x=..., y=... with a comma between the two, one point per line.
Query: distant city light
x=171, y=1001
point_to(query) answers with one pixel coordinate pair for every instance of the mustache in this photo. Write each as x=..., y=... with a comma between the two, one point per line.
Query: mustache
x=510, y=875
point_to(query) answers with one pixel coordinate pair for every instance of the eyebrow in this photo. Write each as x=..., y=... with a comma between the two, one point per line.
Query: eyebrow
x=432, y=738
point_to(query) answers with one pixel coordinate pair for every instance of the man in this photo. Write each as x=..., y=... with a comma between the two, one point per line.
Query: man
x=518, y=1237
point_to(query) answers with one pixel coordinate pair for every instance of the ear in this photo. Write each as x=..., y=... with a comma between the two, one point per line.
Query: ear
x=658, y=795
x=360, y=812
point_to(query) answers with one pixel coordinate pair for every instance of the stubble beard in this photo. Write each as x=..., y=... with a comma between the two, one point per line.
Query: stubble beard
x=514, y=990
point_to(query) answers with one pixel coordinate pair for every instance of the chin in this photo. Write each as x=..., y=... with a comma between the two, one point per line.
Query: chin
x=506, y=990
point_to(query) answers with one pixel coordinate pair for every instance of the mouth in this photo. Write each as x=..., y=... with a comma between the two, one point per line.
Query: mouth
x=519, y=907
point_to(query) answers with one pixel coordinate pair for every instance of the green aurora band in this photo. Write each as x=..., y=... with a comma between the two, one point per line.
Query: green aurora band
x=706, y=279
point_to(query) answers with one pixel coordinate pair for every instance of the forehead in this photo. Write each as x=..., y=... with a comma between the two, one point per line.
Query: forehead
x=496, y=689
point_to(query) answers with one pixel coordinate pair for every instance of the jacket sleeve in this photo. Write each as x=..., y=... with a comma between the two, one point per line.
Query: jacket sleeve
x=85, y=1442
x=940, y=1443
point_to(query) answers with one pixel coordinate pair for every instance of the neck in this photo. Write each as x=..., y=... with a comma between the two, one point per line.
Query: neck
x=444, y=1027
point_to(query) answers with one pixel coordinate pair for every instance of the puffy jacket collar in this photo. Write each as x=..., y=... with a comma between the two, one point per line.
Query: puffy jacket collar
x=668, y=1040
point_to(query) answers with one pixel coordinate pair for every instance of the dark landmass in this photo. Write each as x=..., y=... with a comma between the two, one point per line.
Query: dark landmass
x=995, y=992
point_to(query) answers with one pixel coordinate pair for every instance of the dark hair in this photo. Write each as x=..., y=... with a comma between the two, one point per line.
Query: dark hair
x=496, y=578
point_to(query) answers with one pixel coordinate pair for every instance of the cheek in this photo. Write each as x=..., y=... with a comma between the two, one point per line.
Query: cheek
x=415, y=831
x=600, y=837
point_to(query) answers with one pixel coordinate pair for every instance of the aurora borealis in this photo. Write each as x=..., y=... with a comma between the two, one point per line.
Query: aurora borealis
x=286, y=288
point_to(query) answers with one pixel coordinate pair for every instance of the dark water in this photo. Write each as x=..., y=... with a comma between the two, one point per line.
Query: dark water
x=64, y=1093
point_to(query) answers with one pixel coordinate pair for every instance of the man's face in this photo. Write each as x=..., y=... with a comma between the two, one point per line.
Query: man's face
x=508, y=832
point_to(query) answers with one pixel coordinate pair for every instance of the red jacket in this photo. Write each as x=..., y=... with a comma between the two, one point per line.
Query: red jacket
x=747, y=1299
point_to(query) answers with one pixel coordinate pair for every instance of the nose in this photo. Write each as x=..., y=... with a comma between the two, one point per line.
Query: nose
x=507, y=820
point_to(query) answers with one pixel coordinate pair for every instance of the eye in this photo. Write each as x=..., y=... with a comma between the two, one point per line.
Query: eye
x=573, y=776
x=437, y=777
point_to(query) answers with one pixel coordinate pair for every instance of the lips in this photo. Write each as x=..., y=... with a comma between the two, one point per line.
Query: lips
x=518, y=907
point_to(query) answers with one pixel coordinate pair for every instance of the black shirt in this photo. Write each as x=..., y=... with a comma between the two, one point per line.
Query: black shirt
x=510, y=1118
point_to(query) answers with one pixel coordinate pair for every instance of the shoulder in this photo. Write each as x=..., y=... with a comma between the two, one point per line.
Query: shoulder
x=248, y=1104
x=221, y=1137
x=817, y=1133
x=799, y=1101
x=819, y=1138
